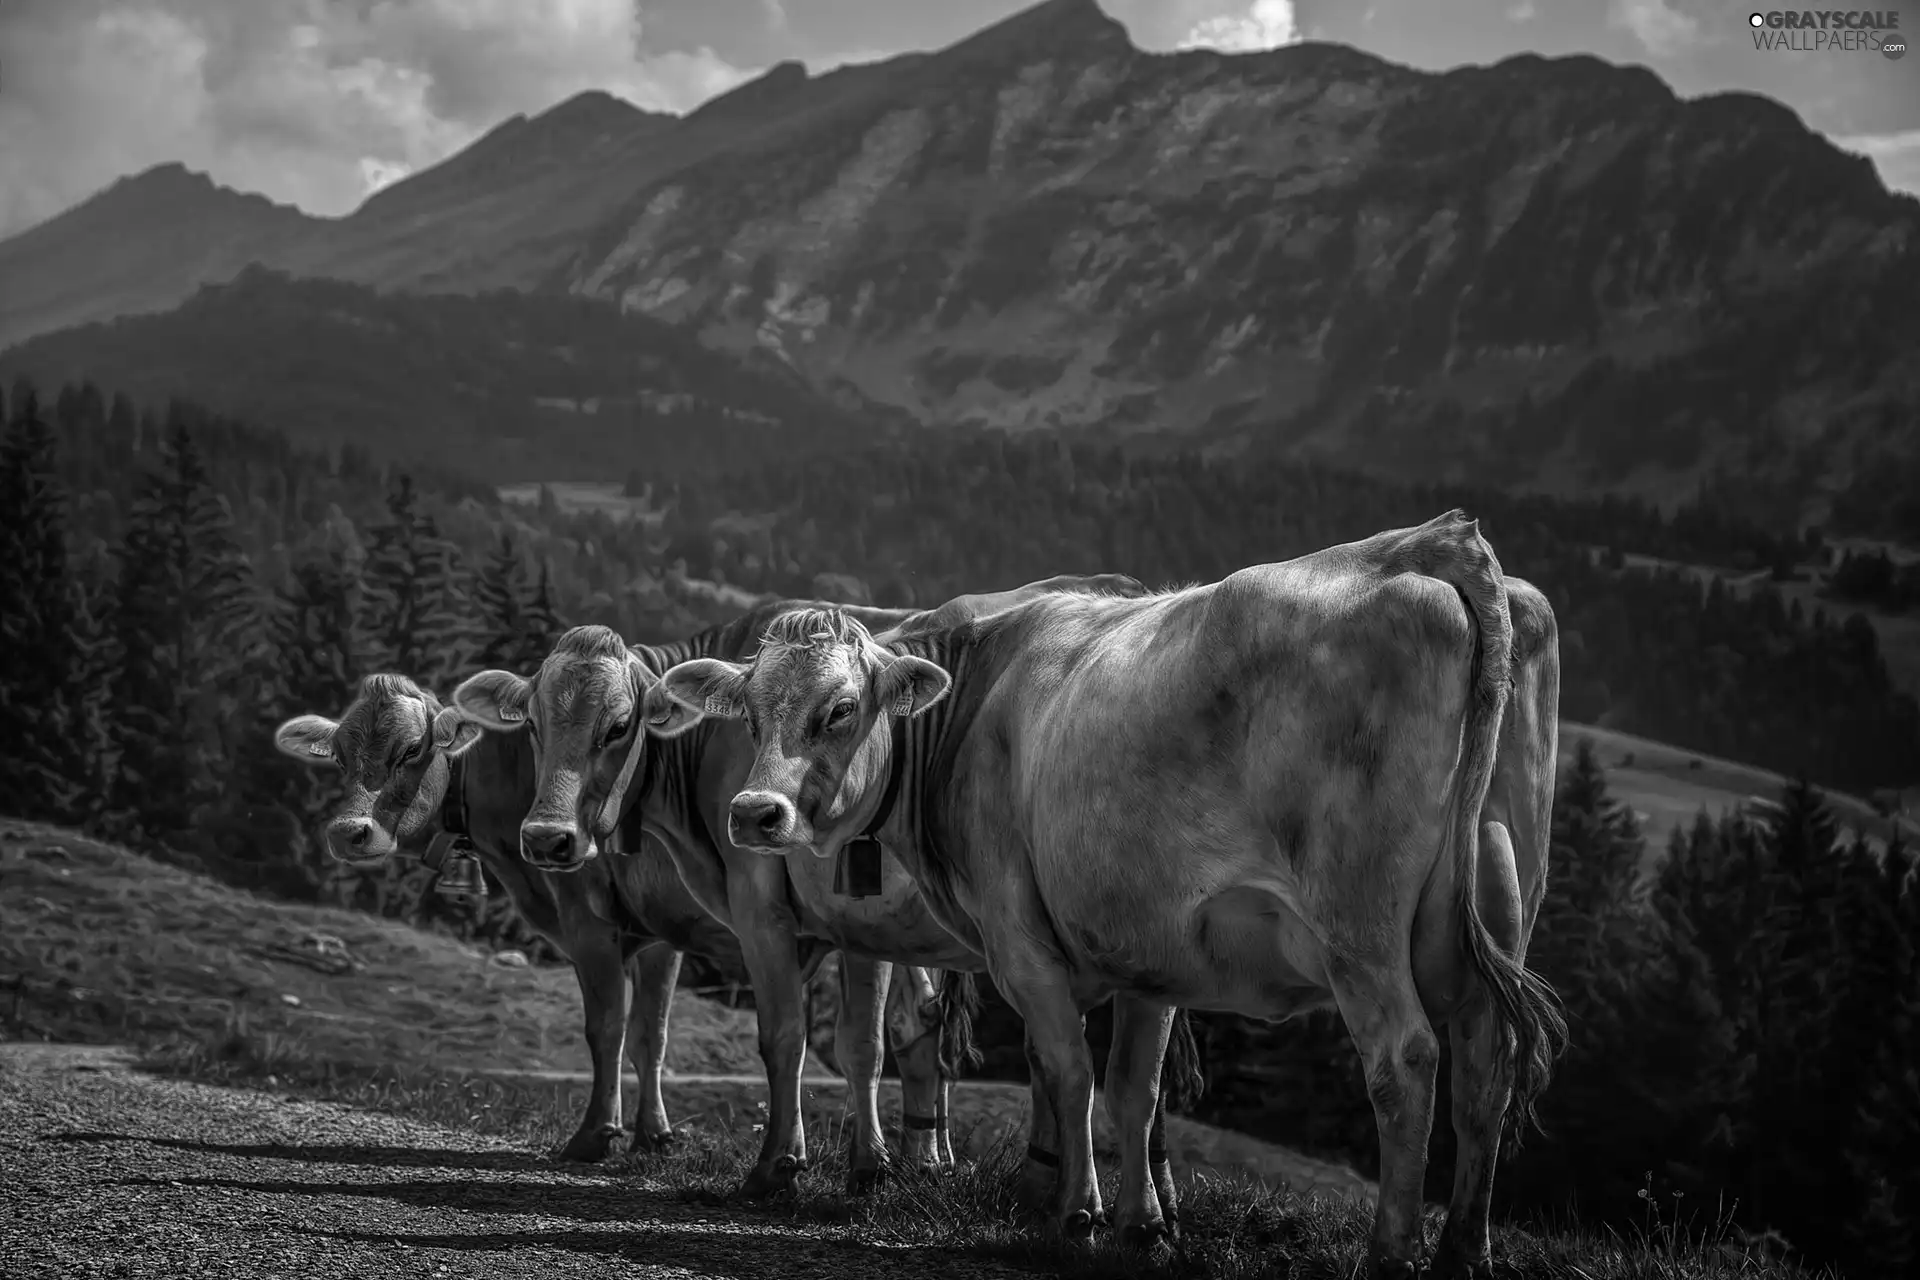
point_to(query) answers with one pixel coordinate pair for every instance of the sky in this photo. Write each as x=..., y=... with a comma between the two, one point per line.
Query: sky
x=319, y=102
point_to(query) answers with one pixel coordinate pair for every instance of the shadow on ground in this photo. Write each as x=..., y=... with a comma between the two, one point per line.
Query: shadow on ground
x=377, y=1157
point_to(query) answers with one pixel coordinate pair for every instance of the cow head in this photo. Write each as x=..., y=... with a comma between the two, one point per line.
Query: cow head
x=588, y=710
x=811, y=699
x=393, y=743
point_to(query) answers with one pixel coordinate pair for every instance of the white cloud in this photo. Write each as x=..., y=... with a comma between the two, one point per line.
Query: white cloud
x=1522, y=11
x=1267, y=24
x=315, y=102
x=1895, y=155
x=1664, y=30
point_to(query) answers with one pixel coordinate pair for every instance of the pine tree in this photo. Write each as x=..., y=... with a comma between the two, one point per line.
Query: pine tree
x=497, y=602
x=185, y=622
x=540, y=624
x=419, y=618
x=43, y=668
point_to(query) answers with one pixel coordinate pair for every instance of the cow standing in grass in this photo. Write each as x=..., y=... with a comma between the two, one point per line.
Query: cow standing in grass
x=1303, y=786
x=590, y=711
x=416, y=768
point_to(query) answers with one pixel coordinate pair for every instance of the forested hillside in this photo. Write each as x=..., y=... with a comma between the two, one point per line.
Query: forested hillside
x=511, y=385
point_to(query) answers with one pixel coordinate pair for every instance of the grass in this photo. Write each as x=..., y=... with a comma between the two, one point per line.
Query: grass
x=1234, y=1226
x=104, y=946
x=100, y=945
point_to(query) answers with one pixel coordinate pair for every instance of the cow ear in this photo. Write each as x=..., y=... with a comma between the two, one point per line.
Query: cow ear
x=496, y=699
x=308, y=739
x=908, y=685
x=705, y=687
x=453, y=733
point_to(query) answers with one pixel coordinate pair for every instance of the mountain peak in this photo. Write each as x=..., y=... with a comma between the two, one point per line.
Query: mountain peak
x=1052, y=26
x=754, y=95
x=593, y=107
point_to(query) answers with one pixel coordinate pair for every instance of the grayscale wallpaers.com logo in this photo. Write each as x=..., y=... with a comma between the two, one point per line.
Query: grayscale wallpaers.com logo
x=1829, y=31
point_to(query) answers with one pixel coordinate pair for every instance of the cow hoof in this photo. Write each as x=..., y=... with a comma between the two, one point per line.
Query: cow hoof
x=766, y=1183
x=1450, y=1263
x=591, y=1146
x=1379, y=1268
x=862, y=1182
x=658, y=1142
x=1077, y=1225
x=1143, y=1237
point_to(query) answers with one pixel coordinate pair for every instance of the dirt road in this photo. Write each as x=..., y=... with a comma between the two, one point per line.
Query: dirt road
x=110, y=1172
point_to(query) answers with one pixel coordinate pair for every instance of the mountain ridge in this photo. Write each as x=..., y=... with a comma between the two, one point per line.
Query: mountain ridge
x=1552, y=271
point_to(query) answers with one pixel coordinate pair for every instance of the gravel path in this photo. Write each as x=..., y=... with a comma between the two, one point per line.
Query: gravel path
x=106, y=1171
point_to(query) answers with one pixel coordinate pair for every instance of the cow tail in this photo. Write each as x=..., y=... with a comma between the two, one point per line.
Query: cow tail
x=959, y=1001
x=1531, y=1028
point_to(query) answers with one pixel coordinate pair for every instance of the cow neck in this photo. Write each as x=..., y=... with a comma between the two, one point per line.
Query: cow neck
x=453, y=815
x=896, y=766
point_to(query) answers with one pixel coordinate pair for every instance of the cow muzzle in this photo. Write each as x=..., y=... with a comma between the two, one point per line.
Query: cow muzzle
x=358, y=841
x=761, y=822
x=554, y=846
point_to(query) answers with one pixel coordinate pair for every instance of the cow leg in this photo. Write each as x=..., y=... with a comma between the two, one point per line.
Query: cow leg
x=915, y=1038
x=1161, y=1167
x=604, y=994
x=772, y=956
x=656, y=971
x=1140, y=1030
x=1401, y=1057
x=857, y=1047
x=1040, y=1172
x=1480, y=1091
x=1037, y=987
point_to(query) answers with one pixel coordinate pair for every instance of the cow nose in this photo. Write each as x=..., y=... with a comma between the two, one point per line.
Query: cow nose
x=347, y=838
x=547, y=846
x=758, y=816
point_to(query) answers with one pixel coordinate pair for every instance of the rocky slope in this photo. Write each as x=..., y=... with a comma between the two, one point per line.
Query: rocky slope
x=1551, y=268
x=1550, y=272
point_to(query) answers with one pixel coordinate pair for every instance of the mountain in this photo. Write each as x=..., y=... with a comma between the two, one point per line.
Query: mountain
x=141, y=245
x=498, y=386
x=1544, y=273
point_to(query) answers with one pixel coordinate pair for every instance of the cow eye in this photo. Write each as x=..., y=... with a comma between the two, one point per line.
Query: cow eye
x=616, y=731
x=841, y=710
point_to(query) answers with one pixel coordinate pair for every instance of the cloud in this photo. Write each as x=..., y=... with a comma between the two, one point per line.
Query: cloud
x=314, y=102
x=1267, y=24
x=1521, y=11
x=1662, y=29
x=1895, y=155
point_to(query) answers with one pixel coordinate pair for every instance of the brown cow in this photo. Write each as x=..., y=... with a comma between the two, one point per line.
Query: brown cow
x=584, y=706
x=417, y=771
x=1265, y=795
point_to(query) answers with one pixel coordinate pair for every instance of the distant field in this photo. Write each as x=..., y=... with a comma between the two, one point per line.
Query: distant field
x=576, y=496
x=1666, y=785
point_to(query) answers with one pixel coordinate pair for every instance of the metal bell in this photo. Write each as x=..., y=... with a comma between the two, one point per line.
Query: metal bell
x=461, y=878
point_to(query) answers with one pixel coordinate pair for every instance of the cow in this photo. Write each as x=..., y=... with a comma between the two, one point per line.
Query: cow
x=418, y=771
x=585, y=709
x=1325, y=782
